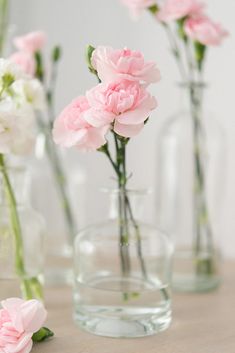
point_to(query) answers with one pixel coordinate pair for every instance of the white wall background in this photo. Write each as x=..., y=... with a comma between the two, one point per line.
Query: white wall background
x=75, y=23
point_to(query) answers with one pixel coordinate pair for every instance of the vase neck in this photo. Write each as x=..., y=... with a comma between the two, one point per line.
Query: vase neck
x=20, y=183
x=127, y=203
x=192, y=95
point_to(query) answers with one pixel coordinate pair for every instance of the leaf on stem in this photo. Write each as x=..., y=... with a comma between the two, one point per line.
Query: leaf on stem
x=103, y=148
x=89, y=52
x=200, y=51
x=123, y=140
x=42, y=334
x=181, y=31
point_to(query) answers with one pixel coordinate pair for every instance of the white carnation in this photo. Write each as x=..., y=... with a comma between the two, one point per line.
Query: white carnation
x=30, y=92
x=17, y=132
x=19, y=100
x=8, y=67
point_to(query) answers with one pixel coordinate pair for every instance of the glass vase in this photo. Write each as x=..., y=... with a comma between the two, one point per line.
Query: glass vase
x=122, y=273
x=21, y=258
x=191, y=155
x=65, y=192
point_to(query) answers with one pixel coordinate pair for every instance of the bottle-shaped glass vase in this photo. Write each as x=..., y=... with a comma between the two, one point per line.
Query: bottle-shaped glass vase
x=62, y=205
x=22, y=232
x=122, y=273
x=191, y=164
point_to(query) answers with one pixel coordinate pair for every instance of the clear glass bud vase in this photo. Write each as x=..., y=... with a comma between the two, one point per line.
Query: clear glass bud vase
x=21, y=239
x=122, y=273
x=58, y=190
x=190, y=166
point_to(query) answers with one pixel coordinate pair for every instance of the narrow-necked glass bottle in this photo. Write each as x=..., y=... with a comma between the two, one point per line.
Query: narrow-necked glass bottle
x=191, y=165
x=122, y=273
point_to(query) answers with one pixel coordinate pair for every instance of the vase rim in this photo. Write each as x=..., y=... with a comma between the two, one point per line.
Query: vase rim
x=194, y=83
x=19, y=169
x=134, y=191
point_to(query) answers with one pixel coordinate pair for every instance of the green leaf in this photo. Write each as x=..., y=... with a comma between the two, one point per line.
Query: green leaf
x=89, y=52
x=181, y=31
x=200, y=51
x=42, y=334
x=56, y=53
x=103, y=148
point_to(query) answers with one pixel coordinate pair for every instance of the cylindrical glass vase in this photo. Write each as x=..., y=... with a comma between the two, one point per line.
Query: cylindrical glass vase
x=21, y=256
x=191, y=164
x=122, y=273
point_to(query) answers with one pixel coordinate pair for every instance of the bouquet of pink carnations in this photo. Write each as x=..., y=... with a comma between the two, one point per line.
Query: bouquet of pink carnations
x=118, y=109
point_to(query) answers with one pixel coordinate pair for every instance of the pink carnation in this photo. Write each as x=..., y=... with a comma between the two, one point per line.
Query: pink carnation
x=25, y=60
x=177, y=9
x=71, y=129
x=113, y=65
x=19, y=320
x=204, y=30
x=137, y=6
x=124, y=104
x=30, y=42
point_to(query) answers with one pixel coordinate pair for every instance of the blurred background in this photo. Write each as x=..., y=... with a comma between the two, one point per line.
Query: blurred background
x=74, y=24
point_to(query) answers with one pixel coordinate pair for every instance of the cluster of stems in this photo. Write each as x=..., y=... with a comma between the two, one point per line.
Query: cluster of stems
x=125, y=214
x=190, y=58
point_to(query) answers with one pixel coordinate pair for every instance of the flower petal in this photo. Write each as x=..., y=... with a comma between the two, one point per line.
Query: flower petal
x=127, y=130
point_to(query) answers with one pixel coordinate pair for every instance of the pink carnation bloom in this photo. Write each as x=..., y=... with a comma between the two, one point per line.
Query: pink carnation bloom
x=25, y=61
x=30, y=42
x=19, y=320
x=137, y=6
x=124, y=104
x=71, y=129
x=203, y=30
x=177, y=9
x=113, y=65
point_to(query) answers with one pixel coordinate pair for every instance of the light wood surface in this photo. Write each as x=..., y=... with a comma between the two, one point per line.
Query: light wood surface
x=202, y=323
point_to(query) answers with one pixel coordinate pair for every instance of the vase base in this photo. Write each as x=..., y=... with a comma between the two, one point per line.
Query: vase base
x=195, y=284
x=123, y=326
x=59, y=276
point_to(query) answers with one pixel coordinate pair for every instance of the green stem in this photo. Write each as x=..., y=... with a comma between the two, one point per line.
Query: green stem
x=138, y=238
x=124, y=210
x=123, y=220
x=176, y=51
x=50, y=93
x=3, y=23
x=51, y=150
x=31, y=287
x=125, y=207
x=202, y=226
x=60, y=178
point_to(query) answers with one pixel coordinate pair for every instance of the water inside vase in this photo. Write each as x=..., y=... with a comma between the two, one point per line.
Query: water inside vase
x=116, y=306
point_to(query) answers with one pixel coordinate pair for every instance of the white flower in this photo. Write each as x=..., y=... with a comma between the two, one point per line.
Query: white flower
x=16, y=130
x=20, y=97
x=30, y=92
x=9, y=68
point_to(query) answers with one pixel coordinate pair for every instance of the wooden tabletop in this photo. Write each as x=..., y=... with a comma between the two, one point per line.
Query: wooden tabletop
x=202, y=323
